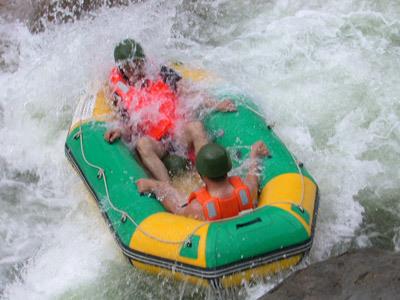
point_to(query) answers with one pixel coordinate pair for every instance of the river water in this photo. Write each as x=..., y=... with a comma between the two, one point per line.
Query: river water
x=326, y=72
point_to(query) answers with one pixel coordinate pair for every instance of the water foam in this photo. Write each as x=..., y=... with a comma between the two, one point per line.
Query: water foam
x=325, y=72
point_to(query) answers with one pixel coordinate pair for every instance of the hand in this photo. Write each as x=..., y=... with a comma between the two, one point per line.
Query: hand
x=112, y=135
x=146, y=185
x=226, y=106
x=258, y=150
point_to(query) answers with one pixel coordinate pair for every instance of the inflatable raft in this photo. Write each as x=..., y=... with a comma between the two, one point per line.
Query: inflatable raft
x=272, y=237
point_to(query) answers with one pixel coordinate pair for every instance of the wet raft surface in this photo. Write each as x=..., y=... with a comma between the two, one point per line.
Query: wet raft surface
x=267, y=230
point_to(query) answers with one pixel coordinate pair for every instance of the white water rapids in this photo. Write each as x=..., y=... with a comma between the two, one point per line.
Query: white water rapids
x=326, y=72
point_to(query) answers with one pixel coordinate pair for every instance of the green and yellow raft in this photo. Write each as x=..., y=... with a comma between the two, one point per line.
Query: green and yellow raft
x=274, y=236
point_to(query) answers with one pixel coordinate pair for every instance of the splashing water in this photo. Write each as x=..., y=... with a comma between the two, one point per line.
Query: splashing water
x=326, y=72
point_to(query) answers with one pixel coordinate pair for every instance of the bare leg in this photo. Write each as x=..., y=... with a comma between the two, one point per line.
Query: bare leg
x=195, y=134
x=164, y=191
x=151, y=152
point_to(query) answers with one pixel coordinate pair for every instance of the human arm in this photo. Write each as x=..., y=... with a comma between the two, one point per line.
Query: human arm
x=120, y=127
x=258, y=151
x=226, y=105
x=113, y=134
x=170, y=198
x=198, y=101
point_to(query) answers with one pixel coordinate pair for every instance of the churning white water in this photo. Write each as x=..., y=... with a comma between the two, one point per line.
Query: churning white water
x=326, y=72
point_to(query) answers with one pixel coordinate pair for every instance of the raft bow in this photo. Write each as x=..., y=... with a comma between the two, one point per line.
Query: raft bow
x=274, y=236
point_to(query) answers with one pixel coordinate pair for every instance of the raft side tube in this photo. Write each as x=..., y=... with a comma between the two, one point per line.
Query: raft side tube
x=273, y=237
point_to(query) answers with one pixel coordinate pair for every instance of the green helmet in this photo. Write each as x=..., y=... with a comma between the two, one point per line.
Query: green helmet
x=128, y=49
x=175, y=164
x=213, y=161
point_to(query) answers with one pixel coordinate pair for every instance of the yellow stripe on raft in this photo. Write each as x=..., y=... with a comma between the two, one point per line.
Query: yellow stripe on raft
x=192, y=74
x=101, y=112
x=101, y=107
x=285, y=190
x=169, y=227
x=259, y=272
x=229, y=280
x=168, y=273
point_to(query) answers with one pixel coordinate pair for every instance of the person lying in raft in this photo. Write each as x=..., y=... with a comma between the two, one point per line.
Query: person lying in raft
x=222, y=196
x=134, y=94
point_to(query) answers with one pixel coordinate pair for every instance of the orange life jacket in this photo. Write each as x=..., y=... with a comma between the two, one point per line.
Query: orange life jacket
x=154, y=94
x=220, y=208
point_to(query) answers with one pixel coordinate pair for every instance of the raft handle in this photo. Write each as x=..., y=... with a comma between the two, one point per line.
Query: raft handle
x=240, y=225
x=124, y=217
x=100, y=174
x=77, y=135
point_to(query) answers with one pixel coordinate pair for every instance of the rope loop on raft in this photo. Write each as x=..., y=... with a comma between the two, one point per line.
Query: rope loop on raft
x=78, y=134
x=188, y=240
x=124, y=218
x=100, y=174
x=298, y=163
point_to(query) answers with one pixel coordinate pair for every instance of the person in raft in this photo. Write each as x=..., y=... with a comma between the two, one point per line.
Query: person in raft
x=221, y=196
x=133, y=94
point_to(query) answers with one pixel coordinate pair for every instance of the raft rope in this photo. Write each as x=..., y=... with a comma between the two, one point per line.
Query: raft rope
x=296, y=162
x=125, y=215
